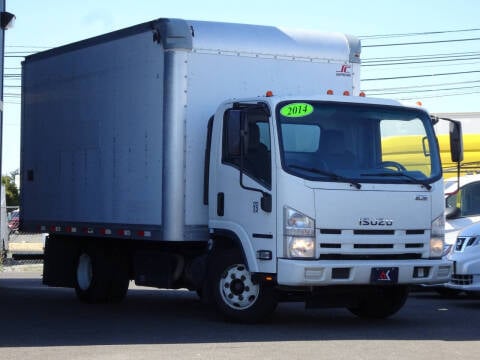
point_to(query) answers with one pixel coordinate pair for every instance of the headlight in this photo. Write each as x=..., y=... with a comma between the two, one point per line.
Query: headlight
x=299, y=231
x=437, y=237
x=475, y=241
x=301, y=247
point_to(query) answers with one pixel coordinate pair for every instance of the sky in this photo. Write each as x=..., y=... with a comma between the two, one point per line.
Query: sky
x=412, y=50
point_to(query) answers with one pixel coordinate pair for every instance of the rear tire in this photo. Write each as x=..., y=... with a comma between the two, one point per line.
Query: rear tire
x=381, y=302
x=91, y=276
x=236, y=296
x=119, y=277
x=101, y=277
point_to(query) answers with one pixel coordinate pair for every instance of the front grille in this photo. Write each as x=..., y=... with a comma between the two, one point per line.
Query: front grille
x=330, y=246
x=373, y=232
x=458, y=279
x=331, y=231
x=414, y=246
x=415, y=232
x=370, y=256
x=373, y=246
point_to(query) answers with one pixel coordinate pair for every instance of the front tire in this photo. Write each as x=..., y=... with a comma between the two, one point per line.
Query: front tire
x=235, y=294
x=381, y=302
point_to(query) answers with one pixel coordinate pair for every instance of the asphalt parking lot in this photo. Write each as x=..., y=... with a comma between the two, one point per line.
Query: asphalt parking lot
x=41, y=322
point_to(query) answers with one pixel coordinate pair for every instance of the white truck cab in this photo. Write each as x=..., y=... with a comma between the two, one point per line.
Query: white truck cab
x=315, y=202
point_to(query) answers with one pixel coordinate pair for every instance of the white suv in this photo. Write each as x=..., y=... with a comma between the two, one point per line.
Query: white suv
x=462, y=206
x=465, y=256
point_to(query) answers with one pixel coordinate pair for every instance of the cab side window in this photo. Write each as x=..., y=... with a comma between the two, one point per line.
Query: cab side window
x=470, y=199
x=257, y=158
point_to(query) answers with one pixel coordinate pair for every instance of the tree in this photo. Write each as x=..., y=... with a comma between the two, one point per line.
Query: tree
x=11, y=190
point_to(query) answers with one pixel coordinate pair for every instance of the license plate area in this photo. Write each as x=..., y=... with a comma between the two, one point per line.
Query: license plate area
x=384, y=275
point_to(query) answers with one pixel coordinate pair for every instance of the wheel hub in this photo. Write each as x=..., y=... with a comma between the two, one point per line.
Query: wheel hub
x=237, y=289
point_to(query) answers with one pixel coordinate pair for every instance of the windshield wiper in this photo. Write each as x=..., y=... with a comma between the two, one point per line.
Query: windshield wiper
x=331, y=175
x=401, y=173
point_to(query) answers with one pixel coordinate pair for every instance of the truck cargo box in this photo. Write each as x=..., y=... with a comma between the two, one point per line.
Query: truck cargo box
x=114, y=127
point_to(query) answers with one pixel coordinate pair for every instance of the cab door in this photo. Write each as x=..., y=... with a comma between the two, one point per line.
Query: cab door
x=241, y=199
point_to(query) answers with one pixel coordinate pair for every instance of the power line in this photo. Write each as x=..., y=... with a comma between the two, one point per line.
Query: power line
x=424, y=86
x=382, y=36
x=407, y=62
x=421, y=76
x=426, y=90
x=27, y=46
x=426, y=57
x=421, y=56
x=441, y=95
x=421, y=42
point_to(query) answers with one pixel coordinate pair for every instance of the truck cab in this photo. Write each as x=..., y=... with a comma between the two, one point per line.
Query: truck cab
x=307, y=190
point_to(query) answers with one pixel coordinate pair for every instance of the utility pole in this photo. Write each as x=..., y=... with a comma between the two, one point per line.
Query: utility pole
x=6, y=21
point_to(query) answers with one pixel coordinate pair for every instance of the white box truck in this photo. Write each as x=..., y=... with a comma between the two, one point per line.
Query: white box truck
x=234, y=160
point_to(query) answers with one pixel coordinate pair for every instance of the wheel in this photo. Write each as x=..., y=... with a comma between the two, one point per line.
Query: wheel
x=91, y=277
x=394, y=164
x=381, y=302
x=101, y=277
x=119, y=277
x=236, y=296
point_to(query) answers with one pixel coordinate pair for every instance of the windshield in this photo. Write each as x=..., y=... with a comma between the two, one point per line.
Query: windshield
x=357, y=142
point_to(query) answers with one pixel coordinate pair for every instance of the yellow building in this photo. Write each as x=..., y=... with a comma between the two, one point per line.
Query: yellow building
x=409, y=149
x=471, y=143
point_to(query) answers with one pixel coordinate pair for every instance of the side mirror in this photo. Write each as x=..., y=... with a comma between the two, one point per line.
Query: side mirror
x=456, y=141
x=452, y=212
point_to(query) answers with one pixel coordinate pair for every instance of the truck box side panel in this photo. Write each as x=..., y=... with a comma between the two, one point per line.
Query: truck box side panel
x=92, y=125
x=94, y=140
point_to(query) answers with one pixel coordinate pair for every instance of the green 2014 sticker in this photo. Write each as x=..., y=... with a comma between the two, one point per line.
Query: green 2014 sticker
x=296, y=110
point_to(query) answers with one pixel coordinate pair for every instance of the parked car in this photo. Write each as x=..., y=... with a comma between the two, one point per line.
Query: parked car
x=13, y=220
x=465, y=256
x=462, y=206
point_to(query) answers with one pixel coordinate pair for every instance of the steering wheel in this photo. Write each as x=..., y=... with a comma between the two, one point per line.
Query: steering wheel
x=394, y=164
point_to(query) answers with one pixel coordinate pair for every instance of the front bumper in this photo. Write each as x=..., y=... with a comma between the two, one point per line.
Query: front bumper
x=465, y=282
x=466, y=269
x=358, y=272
